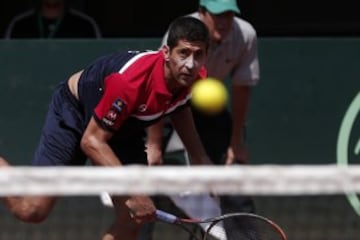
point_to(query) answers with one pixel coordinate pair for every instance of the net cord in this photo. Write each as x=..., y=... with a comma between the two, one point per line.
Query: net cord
x=254, y=179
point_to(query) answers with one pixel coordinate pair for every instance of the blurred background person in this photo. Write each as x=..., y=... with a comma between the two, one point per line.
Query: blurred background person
x=52, y=19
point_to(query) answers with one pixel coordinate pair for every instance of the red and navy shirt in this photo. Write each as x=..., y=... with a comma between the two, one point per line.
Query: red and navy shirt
x=129, y=87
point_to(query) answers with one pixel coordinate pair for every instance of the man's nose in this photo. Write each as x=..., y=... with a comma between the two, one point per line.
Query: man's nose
x=190, y=63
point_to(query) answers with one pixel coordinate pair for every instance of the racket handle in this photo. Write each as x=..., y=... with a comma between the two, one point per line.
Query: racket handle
x=165, y=217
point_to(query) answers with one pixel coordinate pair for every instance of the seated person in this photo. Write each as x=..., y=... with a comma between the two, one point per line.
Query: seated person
x=52, y=19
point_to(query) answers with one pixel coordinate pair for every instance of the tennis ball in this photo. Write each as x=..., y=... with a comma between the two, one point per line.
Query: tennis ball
x=209, y=95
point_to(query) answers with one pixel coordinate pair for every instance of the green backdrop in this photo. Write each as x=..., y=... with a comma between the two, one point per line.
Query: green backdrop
x=295, y=114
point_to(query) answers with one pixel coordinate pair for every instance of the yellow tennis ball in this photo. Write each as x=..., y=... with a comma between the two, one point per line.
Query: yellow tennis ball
x=209, y=95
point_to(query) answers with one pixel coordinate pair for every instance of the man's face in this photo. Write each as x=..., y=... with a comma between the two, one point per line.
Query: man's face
x=184, y=62
x=52, y=9
x=219, y=25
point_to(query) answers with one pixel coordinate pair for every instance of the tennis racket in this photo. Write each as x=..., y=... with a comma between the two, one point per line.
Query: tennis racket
x=231, y=226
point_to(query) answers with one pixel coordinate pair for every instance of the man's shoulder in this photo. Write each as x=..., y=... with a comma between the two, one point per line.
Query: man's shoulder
x=145, y=56
x=82, y=19
x=194, y=15
x=243, y=29
x=244, y=26
x=22, y=25
x=78, y=14
x=141, y=61
x=24, y=16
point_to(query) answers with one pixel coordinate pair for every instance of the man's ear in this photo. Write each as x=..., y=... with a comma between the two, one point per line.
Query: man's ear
x=166, y=52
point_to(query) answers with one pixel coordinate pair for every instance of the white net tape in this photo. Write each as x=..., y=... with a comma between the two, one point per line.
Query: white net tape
x=257, y=180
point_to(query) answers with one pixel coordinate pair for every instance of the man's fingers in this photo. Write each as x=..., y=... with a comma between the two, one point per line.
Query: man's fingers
x=132, y=214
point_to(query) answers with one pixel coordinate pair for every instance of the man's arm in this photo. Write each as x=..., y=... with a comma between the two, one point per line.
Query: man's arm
x=95, y=145
x=245, y=75
x=154, y=143
x=155, y=134
x=240, y=103
x=184, y=124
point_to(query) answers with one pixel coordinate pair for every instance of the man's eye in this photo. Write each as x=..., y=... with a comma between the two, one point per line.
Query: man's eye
x=183, y=52
x=198, y=54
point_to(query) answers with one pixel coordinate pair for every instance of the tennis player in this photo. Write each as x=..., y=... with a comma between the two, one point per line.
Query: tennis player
x=100, y=114
x=232, y=55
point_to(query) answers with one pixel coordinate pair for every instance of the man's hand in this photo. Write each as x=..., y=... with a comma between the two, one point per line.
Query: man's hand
x=142, y=209
x=154, y=155
x=238, y=154
x=3, y=162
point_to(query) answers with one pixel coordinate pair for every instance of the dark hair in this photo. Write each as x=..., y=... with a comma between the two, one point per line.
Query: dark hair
x=187, y=28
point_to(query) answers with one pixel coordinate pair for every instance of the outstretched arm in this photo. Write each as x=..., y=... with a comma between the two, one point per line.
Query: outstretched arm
x=154, y=143
x=240, y=101
x=94, y=144
x=183, y=123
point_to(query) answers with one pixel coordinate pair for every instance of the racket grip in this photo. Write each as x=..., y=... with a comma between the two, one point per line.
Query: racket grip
x=165, y=217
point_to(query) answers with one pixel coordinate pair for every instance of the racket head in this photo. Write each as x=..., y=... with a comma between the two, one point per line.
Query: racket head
x=185, y=231
x=244, y=226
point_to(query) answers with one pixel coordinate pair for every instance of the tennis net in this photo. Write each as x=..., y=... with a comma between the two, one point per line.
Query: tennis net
x=312, y=202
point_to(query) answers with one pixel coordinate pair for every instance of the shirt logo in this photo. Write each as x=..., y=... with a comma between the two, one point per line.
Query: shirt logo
x=111, y=115
x=116, y=108
x=142, y=108
x=118, y=104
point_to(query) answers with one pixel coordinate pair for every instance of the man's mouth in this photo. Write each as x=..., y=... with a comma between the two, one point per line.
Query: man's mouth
x=187, y=75
x=188, y=78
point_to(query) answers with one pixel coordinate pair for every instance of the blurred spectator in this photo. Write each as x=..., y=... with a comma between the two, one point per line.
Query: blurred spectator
x=52, y=19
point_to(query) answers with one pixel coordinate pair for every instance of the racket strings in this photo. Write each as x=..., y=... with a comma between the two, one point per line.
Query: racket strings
x=243, y=228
